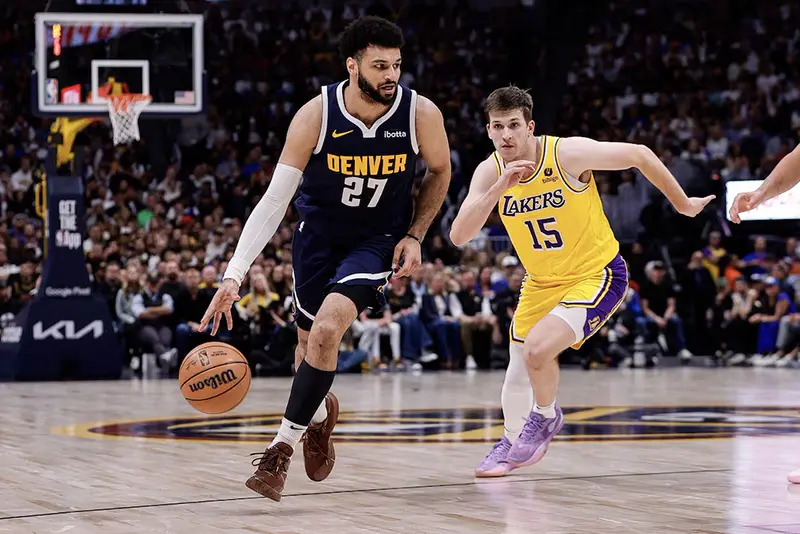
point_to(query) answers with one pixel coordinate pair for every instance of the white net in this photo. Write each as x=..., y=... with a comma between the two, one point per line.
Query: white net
x=124, y=111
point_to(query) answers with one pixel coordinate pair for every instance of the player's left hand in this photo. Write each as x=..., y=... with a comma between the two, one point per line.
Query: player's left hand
x=695, y=205
x=221, y=304
x=407, y=257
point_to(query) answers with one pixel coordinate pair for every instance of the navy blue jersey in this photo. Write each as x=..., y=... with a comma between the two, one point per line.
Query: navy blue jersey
x=358, y=181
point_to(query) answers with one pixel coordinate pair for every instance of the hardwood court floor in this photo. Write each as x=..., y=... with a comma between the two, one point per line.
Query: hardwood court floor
x=644, y=451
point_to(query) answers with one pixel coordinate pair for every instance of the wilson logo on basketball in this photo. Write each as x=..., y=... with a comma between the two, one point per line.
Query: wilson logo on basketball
x=214, y=381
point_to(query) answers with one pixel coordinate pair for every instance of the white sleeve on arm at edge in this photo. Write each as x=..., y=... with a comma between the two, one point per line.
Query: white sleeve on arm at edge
x=264, y=221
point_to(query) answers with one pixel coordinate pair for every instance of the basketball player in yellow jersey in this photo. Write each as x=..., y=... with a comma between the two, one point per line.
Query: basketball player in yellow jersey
x=575, y=278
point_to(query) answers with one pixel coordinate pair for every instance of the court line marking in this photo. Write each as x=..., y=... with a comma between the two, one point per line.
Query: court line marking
x=472, y=482
x=388, y=413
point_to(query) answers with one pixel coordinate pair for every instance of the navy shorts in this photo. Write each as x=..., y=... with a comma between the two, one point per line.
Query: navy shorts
x=320, y=262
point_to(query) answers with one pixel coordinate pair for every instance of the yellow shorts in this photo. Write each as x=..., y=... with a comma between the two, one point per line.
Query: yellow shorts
x=585, y=305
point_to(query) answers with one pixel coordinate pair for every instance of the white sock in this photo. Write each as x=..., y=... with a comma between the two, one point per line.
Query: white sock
x=548, y=412
x=289, y=433
x=516, y=397
x=321, y=414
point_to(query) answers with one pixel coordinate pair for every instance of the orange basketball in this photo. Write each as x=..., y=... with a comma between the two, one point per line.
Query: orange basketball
x=214, y=377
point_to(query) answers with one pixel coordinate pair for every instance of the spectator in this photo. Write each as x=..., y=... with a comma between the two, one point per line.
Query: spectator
x=659, y=306
x=190, y=304
x=261, y=308
x=128, y=325
x=23, y=282
x=170, y=187
x=776, y=305
x=209, y=278
x=738, y=335
x=259, y=297
x=418, y=284
x=110, y=286
x=486, y=287
x=712, y=253
x=505, y=302
x=416, y=342
x=370, y=325
x=788, y=342
x=22, y=178
x=281, y=282
x=756, y=262
x=439, y=311
x=172, y=284
x=216, y=248
x=152, y=308
x=478, y=323
x=700, y=291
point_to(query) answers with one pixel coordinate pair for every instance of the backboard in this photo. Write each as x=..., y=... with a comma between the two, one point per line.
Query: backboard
x=81, y=57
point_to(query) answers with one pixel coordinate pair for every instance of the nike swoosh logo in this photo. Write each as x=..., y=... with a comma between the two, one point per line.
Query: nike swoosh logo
x=295, y=427
x=552, y=425
x=336, y=134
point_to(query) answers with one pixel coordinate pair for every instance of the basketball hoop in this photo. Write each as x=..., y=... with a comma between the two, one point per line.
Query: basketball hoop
x=124, y=111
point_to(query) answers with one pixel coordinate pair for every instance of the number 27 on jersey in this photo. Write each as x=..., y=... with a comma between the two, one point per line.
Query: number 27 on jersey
x=354, y=195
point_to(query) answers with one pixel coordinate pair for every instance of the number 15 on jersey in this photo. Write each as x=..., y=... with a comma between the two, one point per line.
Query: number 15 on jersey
x=549, y=235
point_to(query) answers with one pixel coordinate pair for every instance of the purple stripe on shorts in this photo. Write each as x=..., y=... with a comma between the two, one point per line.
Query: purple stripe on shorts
x=616, y=293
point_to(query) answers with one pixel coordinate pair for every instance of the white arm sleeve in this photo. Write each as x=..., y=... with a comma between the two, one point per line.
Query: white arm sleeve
x=264, y=221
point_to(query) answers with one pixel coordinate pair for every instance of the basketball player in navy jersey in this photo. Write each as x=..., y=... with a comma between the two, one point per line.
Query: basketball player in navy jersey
x=356, y=146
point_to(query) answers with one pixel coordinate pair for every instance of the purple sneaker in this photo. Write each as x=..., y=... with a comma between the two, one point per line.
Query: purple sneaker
x=495, y=464
x=531, y=445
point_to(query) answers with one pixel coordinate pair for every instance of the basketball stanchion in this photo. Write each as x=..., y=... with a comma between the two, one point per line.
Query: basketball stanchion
x=65, y=331
x=63, y=132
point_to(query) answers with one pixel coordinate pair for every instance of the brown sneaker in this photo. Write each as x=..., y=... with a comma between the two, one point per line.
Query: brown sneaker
x=269, y=478
x=318, y=448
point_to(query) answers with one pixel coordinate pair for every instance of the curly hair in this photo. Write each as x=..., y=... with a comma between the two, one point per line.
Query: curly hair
x=366, y=31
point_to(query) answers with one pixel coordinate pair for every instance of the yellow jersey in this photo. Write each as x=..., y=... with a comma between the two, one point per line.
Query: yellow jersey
x=556, y=223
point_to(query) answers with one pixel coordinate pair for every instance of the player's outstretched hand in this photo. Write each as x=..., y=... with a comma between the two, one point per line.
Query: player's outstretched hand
x=516, y=171
x=407, y=257
x=226, y=295
x=745, y=202
x=695, y=205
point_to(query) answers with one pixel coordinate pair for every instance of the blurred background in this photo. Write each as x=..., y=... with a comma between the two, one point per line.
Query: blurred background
x=711, y=86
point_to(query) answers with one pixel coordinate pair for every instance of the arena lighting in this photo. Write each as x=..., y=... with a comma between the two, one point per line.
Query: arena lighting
x=782, y=208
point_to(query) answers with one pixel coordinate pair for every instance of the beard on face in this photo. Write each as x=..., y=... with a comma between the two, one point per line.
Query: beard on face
x=373, y=93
